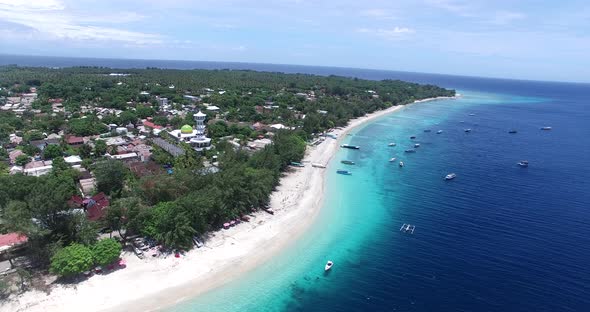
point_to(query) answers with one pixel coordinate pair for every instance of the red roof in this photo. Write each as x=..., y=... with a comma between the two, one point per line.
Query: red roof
x=12, y=239
x=97, y=210
x=75, y=140
x=151, y=125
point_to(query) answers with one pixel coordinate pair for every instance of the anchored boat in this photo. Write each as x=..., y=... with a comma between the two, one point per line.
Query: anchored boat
x=328, y=266
x=450, y=176
x=350, y=146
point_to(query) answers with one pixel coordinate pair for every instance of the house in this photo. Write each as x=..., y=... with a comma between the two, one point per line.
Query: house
x=14, y=154
x=150, y=124
x=96, y=206
x=125, y=157
x=73, y=160
x=258, y=126
x=10, y=240
x=259, y=144
x=41, y=144
x=38, y=168
x=74, y=140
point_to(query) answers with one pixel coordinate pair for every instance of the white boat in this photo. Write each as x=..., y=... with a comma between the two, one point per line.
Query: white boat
x=328, y=265
x=450, y=176
x=467, y=130
x=416, y=145
x=401, y=163
x=318, y=165
x=546, y=128
x=392, y=159
x=439, y=132
x=391, y=144
x=524, y=163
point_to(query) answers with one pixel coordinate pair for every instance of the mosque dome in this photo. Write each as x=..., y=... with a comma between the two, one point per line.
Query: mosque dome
x=186, y=129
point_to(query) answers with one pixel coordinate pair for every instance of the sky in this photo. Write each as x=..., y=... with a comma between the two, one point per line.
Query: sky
x=526, y=39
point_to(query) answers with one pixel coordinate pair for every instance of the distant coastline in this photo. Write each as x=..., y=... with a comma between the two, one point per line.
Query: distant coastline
x=165, y=282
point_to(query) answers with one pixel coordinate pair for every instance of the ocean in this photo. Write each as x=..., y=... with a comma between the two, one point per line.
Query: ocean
x=496, y=238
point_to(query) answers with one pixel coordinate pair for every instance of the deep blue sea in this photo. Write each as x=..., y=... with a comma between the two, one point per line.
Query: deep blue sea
x=497, y=238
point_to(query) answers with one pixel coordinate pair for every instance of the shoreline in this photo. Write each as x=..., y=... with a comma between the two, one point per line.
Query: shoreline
x=155, y=284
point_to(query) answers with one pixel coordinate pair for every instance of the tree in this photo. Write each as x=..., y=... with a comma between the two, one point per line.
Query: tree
x=85, y=150
x=110, y=175
x=31, y=150
x=100, y=147
x=22, y=160
x=71, y=260
x=105, y=251
x=52, y=151
x=122, y=215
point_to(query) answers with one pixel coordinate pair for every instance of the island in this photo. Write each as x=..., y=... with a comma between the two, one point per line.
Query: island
x=104, y=171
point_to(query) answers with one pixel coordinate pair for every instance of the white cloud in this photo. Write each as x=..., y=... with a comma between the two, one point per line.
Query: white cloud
x=378, y=14
x=506, y=17
x=461, y=8
x=387, y=33
x=51, y=19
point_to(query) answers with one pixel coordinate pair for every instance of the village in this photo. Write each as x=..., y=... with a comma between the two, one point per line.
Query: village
x=153, y=162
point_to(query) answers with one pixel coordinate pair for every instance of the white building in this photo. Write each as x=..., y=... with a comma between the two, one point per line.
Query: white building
x=195, y=137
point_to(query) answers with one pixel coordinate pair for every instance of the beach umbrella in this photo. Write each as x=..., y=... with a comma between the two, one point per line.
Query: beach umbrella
x=226, y=226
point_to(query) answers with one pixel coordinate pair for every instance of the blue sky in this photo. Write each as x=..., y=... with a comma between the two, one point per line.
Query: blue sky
x=529, y=39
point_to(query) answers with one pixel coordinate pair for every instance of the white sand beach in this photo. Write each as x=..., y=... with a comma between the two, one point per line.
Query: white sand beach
x=151, y=284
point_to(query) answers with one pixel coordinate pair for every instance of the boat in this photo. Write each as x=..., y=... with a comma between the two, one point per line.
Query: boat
x=413, y=137
x=427, y=130
x=318, y=165
x=512, y=131
x=467, y=130
x=344, y=172
x=546, y=128
x=392, y=159
x=472, y=114
x=523, y=163
x=401, y=163
x=439, y=132
x=297, y=164
x=350, y=146
x=416, y=145
x=328, y=266
x=410, y=151
x=347, y=162
x=391, y=144
x=450, y=176
x=407, y=228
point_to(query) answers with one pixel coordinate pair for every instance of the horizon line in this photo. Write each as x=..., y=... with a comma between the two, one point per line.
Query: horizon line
x=276, y=64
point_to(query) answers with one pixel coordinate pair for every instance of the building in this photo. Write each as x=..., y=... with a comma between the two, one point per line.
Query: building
x=195, y=137
x=74, y=140
x=11, y=240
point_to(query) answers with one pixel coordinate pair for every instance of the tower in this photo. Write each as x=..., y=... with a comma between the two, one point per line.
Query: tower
x=200, y=141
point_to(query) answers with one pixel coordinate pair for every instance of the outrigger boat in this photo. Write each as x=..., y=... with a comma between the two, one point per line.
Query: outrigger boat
x=350, y=146
x=407, y=228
